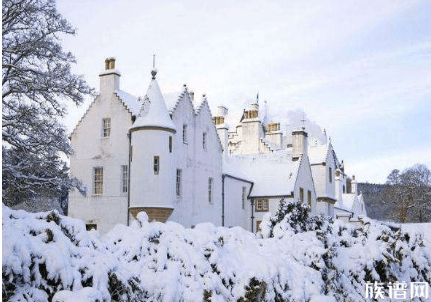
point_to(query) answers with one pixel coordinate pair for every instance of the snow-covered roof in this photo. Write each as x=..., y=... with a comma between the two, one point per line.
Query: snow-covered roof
x=172, y=99
x=273, y=174
x=348, y=201
x=317, y=153
x=129, y=100
x=153, y=111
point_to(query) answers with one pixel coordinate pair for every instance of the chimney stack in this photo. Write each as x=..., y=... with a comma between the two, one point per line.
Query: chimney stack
x=354, y=185
x=299, y=144
x=110, y=77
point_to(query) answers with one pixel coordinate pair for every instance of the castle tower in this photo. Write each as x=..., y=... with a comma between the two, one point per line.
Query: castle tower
x=152, y=164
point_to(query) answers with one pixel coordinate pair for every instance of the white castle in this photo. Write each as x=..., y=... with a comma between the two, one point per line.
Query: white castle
x=169, y=156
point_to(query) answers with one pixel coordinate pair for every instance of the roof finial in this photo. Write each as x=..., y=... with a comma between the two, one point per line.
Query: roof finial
x=303, y=120
x=257, y=98
x=154, y=70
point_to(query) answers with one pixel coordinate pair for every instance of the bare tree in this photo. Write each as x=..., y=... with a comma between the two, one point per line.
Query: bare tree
x=37, y=79
x=410, y=194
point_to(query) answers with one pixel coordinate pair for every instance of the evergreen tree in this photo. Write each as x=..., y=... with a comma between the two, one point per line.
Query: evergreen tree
x=37, y=80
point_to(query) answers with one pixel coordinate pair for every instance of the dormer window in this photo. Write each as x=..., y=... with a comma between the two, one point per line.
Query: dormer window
x=106, y=127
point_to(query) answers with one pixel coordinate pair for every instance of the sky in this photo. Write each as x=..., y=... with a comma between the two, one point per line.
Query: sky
x=359, y=69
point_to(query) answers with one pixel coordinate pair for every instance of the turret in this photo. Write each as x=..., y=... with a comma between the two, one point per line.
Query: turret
x=152, y=168
x=109, y=78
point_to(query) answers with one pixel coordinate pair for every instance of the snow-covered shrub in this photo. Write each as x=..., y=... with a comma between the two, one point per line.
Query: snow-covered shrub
x=49, y=257
x=292, y=218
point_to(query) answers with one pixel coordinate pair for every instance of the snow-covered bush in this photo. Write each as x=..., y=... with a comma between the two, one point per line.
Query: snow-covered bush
x=49, y=257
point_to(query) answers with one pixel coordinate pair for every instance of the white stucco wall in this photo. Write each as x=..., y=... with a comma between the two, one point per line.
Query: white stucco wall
x=305, y=180
x=235, y=214
x=93, y=150
x=197, y=165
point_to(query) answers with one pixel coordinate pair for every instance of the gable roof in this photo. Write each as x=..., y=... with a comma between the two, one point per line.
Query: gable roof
x=153, y=111
x=130, y=101
x=272, y=174
x=317, y=154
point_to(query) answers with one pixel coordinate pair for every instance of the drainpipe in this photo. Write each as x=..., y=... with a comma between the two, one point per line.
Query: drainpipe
x=252, y=215
x=222, y=199
x=222, y=196
x=129, y=135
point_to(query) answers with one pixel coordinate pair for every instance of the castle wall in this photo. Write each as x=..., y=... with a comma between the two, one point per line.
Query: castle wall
x=92, y=150
x=235, y=213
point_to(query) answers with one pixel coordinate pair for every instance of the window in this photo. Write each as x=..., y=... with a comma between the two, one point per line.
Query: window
x=330, y=174
x=262, y=205
x=178, y=183
x=301, y=194
x=106, y=127
x=344, y=189
x=244, y=196
x=185, y=134
x=170, y=144
x=204, y=141
x=91, y=226
x=258, y=225
x=98, y=181
x=124, y=178
x=156, y=165
x=210, y=190
x=309, y=198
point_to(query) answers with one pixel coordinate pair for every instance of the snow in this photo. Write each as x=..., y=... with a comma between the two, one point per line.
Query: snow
x=129, y=100
x=172, y=99
x=305, y=259
x=153, y=112
x=272, y=174
x=317, y=153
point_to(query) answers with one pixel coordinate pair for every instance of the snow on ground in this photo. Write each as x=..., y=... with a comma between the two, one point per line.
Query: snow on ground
x=49, y=257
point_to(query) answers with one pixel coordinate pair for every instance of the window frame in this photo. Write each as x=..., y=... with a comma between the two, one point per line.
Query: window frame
x=97, y=191
x=261, y=205
x=301, y=194
x=178, y=183
x=330, y=174
x=156, y=165
x=185, y=134
x=244, y=197
x=91, y=226
x=204, y=141
x=210, y=189
x=124, y=179
x=106, y=127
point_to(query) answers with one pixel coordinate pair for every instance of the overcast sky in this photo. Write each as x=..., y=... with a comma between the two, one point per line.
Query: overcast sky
x=360, y=69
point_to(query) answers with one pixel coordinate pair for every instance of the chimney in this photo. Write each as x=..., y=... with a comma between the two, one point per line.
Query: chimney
x=109, y=78
x=354, y=185
x=299, y=144
x=222, y=128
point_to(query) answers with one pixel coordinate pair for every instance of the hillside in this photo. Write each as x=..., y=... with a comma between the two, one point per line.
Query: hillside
x=373, y=199
x=49, y=257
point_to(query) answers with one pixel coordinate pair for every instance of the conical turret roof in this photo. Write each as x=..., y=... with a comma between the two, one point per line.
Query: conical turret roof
x=153, y=111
